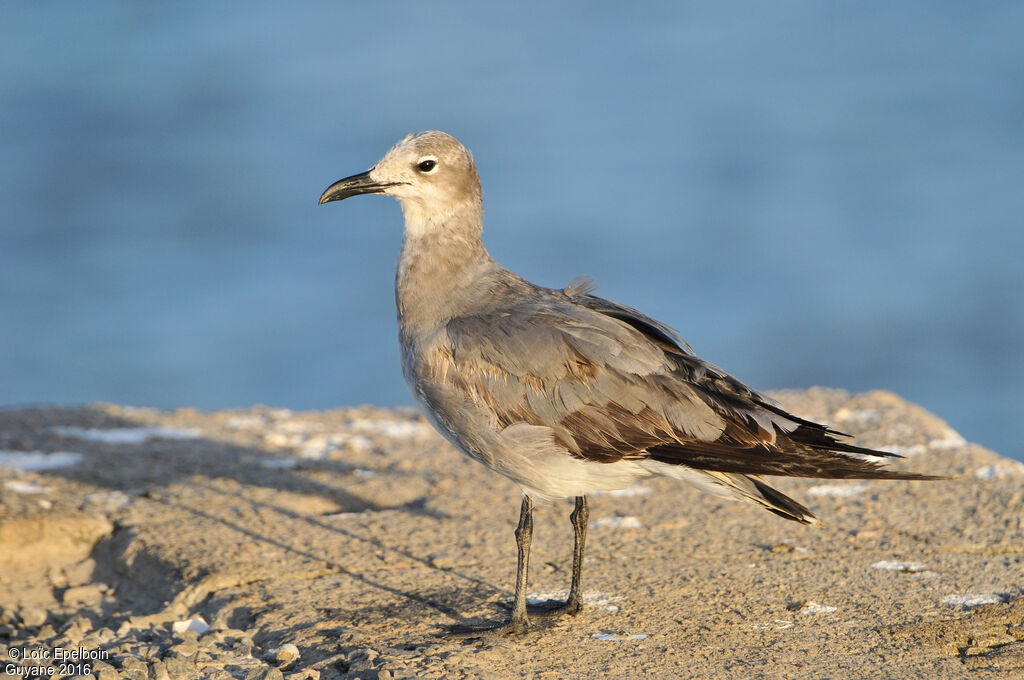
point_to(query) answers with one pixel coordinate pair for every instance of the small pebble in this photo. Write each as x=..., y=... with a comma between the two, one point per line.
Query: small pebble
x=86, y=595
x=78, y=626
x=304, y=674
x=367, y=654
x=185, y=648
x=134, y=669
x=32, y=617
x=196, y=624
x=283, y=655
x=264, y=673
x=228, y=635
x=180, y=669
x=158, y=671
x=243, y=646
x=188, y=636
x=91, y=641
x=103, y=670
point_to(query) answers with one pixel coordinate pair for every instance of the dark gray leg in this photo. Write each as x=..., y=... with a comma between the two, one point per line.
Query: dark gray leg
x=579, y=518
x=519, y=622
x=574, y=603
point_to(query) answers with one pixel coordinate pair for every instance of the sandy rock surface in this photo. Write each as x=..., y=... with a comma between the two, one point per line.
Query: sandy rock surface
x=267, y=543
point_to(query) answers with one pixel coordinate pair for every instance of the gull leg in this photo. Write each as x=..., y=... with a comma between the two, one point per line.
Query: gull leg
x=574, y=603
x=579, y=517
x=519, y=622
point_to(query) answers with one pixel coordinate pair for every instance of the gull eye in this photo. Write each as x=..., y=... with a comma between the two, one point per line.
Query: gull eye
x=426, y=165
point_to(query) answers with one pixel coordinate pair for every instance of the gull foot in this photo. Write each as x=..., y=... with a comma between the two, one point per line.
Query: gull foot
x=552, y=608
x=509, y=628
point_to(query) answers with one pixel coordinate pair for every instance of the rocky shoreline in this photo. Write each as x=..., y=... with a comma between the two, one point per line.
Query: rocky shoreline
x=266, y=543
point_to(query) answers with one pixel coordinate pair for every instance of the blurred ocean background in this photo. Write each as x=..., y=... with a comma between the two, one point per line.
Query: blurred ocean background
x=812, y=193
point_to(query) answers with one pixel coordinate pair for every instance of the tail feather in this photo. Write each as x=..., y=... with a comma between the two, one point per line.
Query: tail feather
x=832, y=462
x=743, y=488
x=782, y=505
x=728, y=465
x=809, y=450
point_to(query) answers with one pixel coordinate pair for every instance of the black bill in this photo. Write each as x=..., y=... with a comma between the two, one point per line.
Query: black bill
x=353, y=186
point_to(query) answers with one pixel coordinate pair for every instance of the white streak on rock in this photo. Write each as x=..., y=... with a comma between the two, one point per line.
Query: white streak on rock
x=864, y=416
x=951, y=441
x=109, y=501
x=278, y=463
x=1000, y=471
x=322, y=446
x=246, y=422
x=125, y=435
x=776, y=624
x=972, y=600
x=813, y=608
x=617, y=523
x=839, y=490
x=906, y=567
x=299, y=427
x=35, y=461
x=317, y=446
x=28, y=488
x=621, y=636
x=905, y=451
x=391, y=428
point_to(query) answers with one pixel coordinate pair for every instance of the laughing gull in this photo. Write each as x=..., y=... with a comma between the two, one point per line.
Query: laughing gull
x=564, y=392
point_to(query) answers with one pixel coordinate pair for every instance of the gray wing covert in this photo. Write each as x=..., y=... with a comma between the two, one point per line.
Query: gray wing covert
x=605, y=389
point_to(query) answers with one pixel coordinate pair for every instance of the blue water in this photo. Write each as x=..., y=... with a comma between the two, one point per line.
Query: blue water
x=812, y=193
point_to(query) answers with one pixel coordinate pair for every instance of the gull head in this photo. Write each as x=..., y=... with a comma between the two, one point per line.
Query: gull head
x=430, y=173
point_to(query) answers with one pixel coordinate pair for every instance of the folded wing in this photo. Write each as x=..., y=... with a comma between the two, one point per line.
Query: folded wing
x=613, y=384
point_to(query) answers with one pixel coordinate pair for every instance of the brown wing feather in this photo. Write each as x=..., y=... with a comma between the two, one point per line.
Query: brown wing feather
x=611, y=384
